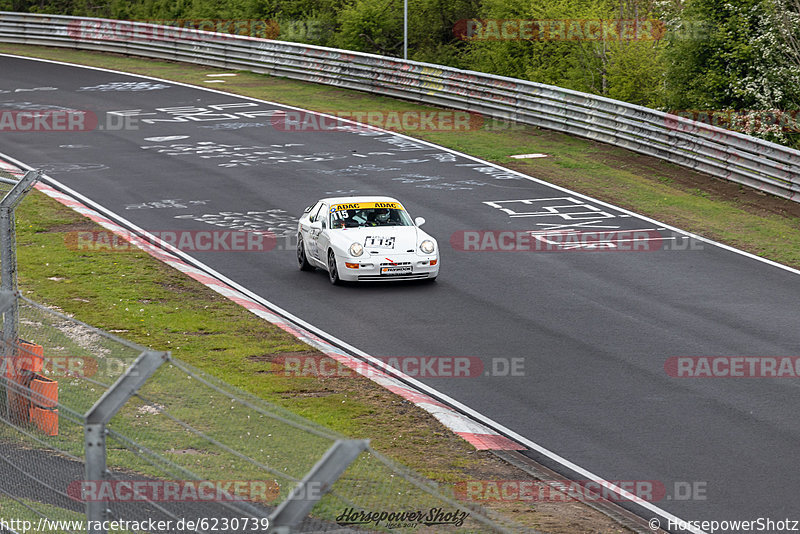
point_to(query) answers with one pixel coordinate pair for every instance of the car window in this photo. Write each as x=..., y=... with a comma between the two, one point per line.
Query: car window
x=323, y=211
x=368, y=217
x=315, y=212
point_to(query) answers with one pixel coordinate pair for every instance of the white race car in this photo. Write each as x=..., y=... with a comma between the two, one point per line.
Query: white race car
x=365, y=238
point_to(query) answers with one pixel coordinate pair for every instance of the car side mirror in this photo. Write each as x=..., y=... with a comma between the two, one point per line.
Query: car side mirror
x=323, y=224
x=419, y=221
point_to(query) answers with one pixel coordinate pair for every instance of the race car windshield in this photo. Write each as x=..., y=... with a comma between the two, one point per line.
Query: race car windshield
x=369, y=217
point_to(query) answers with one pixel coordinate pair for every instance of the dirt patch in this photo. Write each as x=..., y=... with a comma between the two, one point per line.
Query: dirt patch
x=176, y=288
x=269, y=358
x=78, y=226
x=296, y=394
x=189, y=451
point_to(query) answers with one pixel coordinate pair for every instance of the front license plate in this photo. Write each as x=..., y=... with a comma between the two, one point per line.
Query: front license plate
x=389, y=271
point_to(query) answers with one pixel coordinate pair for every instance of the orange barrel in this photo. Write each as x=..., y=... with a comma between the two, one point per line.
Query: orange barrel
x=44, y=392
x=46, y=419
x=30, y=357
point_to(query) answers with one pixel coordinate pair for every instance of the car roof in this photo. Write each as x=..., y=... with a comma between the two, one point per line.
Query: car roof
x=348, y=200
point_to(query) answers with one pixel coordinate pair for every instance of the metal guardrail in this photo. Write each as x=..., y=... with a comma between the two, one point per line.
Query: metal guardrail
x=725, y=154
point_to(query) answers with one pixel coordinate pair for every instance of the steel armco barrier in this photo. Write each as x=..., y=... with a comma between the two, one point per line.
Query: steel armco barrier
x=765, y=166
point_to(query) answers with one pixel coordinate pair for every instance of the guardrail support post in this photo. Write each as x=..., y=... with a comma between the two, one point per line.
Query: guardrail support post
x=8, y=269
x=94, y=429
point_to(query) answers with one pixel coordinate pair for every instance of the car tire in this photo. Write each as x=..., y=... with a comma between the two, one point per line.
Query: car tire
x=302, y=260
x=333, y=271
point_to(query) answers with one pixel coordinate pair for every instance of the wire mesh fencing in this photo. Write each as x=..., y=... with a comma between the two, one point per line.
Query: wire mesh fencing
x=186, y=452
x=57, y=370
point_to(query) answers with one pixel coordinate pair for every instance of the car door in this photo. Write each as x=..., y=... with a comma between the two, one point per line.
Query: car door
x=306, y=223
x=319, y=225
x=324, y=237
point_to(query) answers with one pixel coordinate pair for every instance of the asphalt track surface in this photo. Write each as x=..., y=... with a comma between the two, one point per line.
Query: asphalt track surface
x=593, y=329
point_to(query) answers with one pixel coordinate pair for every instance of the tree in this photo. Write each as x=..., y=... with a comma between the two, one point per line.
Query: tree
x=376, y=26
x=608, y=47
x=740, y=67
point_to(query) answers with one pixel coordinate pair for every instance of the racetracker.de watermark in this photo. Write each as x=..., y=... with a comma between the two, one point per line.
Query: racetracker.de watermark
x=559, y=29
x=412, y=366
x=173, y=490
x=172, y=29
x=570, y=241
x=57, y=366
x=733, y=366
x=559, y=491
x=184, y=240
x=742, y=120
x=62, y=120
x=575, y=30
x=337, y=121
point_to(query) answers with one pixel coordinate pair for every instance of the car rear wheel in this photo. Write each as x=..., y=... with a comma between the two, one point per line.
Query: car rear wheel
x=333, y=271
x=302, y=260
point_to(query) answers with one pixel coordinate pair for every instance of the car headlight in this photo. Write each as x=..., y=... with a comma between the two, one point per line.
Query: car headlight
x=427, y=246
x=356, y=249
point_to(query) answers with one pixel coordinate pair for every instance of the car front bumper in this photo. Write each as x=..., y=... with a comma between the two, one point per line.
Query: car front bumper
x=372, y=269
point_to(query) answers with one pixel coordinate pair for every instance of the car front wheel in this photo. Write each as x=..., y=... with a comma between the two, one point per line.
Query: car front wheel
x=302, y=260
x=333, y=271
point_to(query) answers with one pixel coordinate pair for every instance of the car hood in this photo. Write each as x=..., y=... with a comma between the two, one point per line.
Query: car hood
x=381, y=239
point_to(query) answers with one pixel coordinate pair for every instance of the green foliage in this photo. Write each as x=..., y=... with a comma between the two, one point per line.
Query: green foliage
x=371, y=25
x=741, y=60
x=376, y=26
x=578, y=44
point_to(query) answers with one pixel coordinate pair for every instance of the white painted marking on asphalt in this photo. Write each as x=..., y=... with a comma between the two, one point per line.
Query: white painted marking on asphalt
x=528, y=156
x=586, y=224
x=126, y=86
x=166, y=138
x=565, y=243
x=166, y=203
x=560, y=209
x=29, y=90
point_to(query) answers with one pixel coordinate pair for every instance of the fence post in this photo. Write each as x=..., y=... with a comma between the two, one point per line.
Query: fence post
x=315, y=485
x=94, y=430
x=8, y=269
